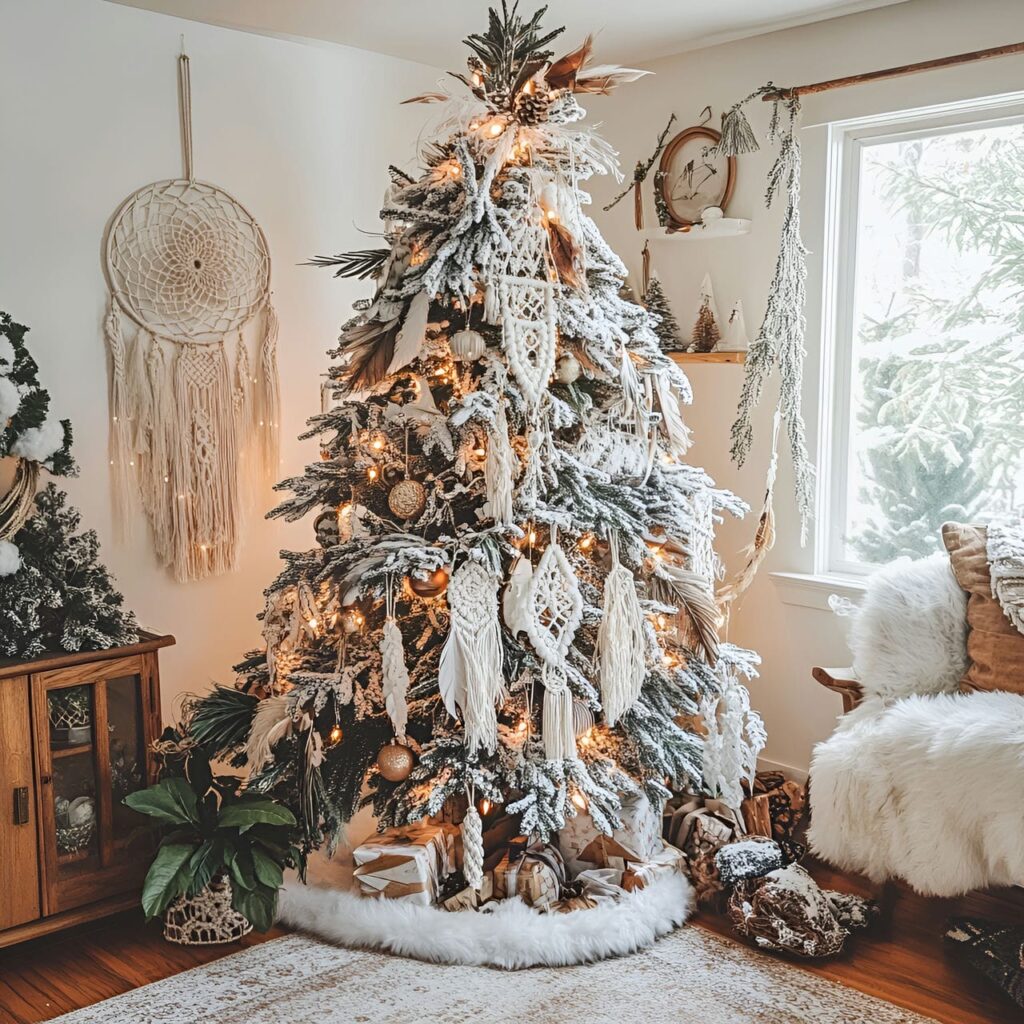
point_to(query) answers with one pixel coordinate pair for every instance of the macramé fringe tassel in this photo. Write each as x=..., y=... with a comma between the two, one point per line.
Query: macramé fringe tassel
x=267, y=398
x=122, y=454
x=620, y=642
x=559, y=730
x=473, y=848
x=737, y=135
x=500, y=471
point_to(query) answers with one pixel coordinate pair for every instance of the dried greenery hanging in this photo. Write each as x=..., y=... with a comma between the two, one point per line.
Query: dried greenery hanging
x=780, y=339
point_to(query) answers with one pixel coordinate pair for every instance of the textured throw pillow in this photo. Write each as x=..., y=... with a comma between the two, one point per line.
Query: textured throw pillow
x=997, y=950
x=995, y=648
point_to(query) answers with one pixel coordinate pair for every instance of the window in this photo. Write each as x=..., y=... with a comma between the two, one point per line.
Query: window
x=925, y=312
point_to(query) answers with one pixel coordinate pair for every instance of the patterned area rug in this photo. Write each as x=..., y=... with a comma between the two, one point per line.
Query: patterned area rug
x=692, y=975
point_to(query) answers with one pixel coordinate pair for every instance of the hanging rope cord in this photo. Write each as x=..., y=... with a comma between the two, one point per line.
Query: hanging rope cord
x=185, y=113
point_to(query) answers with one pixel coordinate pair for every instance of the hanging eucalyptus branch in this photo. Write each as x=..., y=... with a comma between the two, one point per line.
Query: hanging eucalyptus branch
x=781, y=336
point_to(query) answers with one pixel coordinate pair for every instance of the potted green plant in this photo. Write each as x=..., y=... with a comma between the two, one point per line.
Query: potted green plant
x=222, y=857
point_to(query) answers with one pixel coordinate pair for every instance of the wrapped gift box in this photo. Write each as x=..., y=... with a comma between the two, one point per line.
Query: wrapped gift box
x=471, y=899
x=776, y=807
x=668, y=861
x=639, y=838
x=407, y=863
x=537, y=875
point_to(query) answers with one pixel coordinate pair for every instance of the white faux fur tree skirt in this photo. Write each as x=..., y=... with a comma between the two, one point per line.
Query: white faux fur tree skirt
x=511, y=935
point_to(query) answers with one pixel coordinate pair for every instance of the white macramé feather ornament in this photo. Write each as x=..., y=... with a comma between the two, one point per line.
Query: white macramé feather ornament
x=473, y=847
x=555, y=610
x=620, y=641
x=394, y=674
x=470, y=670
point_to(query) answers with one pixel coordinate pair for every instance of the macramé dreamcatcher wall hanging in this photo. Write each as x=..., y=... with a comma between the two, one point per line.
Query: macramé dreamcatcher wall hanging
x=191, y=409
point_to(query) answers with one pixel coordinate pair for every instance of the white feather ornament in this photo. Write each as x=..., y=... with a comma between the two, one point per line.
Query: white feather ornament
x=470, y=670
x=677, y=434
x=735, y=737
x=516, y=602
x=412, y=334
x=394, y=674
x=271, y=722
x=620, y=641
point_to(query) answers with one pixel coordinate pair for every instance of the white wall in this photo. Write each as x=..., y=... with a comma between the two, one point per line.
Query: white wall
x=300, y=134
x=790, y=639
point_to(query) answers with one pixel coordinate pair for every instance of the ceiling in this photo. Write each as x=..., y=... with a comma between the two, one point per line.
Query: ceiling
x=430, y=31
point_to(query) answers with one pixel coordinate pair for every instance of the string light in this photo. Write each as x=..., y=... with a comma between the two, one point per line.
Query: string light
x=378, y=444
x=334, y=736
x=484, y=807
x=579, y=799
x=586, y=542
x=372, y=474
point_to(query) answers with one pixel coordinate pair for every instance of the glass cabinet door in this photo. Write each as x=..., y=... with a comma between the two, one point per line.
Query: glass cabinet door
x=92, y=741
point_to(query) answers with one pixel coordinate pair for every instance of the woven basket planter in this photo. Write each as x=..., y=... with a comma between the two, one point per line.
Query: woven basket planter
x=206, y=919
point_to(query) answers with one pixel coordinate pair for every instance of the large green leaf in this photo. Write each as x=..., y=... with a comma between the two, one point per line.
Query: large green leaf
x=167, y=879
x=246, y=812
x=204, y=864
x=171, y=800
x=268, y=871
x=242, y=870
x=257, y=907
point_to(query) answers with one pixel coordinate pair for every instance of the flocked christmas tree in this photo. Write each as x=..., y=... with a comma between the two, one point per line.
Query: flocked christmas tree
x=54, y=593
x=512, y=597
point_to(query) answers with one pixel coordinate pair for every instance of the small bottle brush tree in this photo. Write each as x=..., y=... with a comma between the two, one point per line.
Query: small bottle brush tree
x=663, y=320
x=705, y=335
x=511, y=599
x=54, y=592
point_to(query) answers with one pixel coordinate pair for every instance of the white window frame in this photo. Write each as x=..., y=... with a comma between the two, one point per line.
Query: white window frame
x=847, y=141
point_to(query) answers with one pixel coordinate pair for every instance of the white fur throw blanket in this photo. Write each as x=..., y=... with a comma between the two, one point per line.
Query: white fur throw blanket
x=927, y=789
x=921, y=783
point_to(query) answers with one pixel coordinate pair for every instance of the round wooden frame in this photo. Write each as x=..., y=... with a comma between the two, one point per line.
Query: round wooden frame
x=667, y=158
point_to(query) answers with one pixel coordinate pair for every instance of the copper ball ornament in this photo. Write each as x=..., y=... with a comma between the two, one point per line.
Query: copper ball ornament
x=395, y=762
x=407, y=499
x=433, y=586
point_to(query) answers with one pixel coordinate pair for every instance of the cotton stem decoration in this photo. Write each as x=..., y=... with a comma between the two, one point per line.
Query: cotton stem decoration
x=620, y=641
x=780, y=338
x=189, y=274
x=394, y=674
x=470, y=676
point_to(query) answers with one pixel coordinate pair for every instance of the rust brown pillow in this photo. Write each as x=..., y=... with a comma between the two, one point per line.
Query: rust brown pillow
x=994, y=646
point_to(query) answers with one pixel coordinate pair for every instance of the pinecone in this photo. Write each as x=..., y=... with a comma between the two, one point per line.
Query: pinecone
x=532, y=108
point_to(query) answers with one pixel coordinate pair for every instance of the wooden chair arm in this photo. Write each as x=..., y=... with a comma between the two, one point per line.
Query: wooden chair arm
x=842, y=681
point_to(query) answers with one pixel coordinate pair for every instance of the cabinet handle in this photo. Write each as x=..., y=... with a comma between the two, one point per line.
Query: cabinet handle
x=46, y=779
x=21, y=805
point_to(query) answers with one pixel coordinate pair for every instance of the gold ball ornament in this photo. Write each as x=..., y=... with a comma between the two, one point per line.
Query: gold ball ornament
x=407, y=499
x=467, y=346
x=433, y=586
x=395, y=762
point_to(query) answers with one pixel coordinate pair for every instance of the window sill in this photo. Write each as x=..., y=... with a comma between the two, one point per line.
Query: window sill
x=810, y=590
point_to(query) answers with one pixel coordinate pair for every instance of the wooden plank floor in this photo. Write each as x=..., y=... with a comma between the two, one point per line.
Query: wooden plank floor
x=902, y=960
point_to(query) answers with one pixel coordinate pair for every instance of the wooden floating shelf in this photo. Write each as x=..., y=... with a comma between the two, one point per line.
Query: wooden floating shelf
x=725, y=227
x=708, y=357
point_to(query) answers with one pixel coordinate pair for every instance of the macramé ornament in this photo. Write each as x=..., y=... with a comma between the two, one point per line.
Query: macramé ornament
x=501, y=467
x=555, y=610
x=394, y=674
x=470, y=673
x=473, y=847
x=190, y=268
x=620, y=641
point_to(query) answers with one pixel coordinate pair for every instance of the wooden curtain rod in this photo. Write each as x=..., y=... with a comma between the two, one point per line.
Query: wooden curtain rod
x=905, y=69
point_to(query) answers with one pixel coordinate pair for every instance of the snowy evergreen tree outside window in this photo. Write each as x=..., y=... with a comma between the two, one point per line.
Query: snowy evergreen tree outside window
x=936, y=427
x=511, y=594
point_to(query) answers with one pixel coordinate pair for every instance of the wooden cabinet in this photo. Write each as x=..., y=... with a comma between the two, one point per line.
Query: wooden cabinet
x=76, y=732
